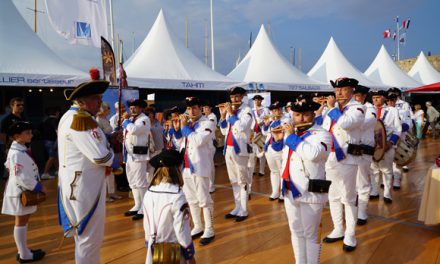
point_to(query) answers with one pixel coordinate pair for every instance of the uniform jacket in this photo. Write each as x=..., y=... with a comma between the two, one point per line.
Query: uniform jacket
x=213, y=118
x=196, y=140
x=240, y=124
x=367, y=128
x=346, y=129
x=307, y=160
x=390, y=118
x=136, y=133
x=258, y=116
x=23, y=172
x=267, y=131
x=167, y=215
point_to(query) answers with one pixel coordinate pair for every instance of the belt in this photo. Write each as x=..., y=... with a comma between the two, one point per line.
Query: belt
x=355, y=150
x=368, y=150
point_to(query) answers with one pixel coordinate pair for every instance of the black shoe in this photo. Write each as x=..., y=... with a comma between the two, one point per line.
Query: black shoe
x=332, y=239
x=348, y=248
x=123, y=189
x=396, y=187
x=199, y=234
x=374, y=197
x=361, y=222
x=382, y=186
x=137, y=217
x=206, y=240
x=36, y=256
x=230, y=216
x=261, y=174
x=249, y=197
x=387, y=200
x=405, y=169
x=240, y=218
x=130, y=213
x=17, y=257
x=280, y=200
x=272, y=199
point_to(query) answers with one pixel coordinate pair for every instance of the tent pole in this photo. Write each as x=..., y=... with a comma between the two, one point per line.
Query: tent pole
x=212, y=39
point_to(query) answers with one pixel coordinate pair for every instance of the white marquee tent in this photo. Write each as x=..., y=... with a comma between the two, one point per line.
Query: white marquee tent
x=332, y=64
x=383, y=69
x=264, y=67
x=25, y=60
x=422, y=71
x=163, y=62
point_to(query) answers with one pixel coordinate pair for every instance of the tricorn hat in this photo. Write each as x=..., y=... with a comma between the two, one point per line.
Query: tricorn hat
x=305, y=105
x=378, y=93
x=192, y=101
x=86, y=89
x=343, y=82
x=237, y=90
x=137, y=102
x=258, y=97
x=361, y=89
x=275, y=105
x=18, y=127
x=167, y=158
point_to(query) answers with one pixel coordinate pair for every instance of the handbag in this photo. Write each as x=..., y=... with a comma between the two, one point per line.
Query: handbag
x=316, y=185
x=30, y=198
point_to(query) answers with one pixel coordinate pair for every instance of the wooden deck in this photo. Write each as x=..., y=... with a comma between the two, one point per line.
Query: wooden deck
x=392, y=235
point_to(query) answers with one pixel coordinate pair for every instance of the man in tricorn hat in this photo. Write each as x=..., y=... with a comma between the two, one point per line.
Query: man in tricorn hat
x=259, y=112
x=84, y=157
x=137, y=149
x=343, y=121
x=235, y=124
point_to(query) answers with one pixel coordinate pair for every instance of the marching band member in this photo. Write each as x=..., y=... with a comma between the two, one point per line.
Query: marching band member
x=363, y=181
x=235, y=124
x=168, y=132
x=166, y=212
x=259, y=112
x=405, y=117
x=137, y=151
x=308, y=147
x=393, y=127
x=207, y=111
x=322, y=110
x=23, y=175
x=274, y=148
x=343, y=121
x=84, y=154
x=288, y=110
x=195, y=138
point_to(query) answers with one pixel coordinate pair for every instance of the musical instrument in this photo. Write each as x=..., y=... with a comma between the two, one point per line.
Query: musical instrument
x=277, y=129
x=259, y=140
x=219, y=138
x=380, y=137
x=234, y=105
x=406, y=150
x=166, y=253
x=29, y=198
x=304, y=125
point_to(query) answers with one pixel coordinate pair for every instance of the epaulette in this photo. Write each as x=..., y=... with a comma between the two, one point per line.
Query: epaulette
x=83, y=121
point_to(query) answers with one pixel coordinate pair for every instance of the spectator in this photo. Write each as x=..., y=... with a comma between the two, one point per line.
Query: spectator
x=433, y=117
x=418, y=117
x=114, y=118
x=49, y=131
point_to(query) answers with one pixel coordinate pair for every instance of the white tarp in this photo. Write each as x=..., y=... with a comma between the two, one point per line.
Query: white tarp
x=332, y=64
x=422, y=71
x=25, y=60
x=163, y=62
x=384, y=70
x=79, y=21
x=265, y=68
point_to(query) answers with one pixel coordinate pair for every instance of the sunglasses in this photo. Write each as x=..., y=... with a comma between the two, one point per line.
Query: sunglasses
x=19, y=105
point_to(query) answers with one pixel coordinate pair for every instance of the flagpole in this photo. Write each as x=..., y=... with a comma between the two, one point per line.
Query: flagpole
x=35, y=16
x=212, y=39
x=398, y=38
x=112, y=31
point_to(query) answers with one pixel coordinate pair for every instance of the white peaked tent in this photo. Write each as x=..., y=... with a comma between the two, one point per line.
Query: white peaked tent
x=332, y=64
x=383, y=69
x=265, y=66
x=163, y=62
x=422, y=71
x=25, y=60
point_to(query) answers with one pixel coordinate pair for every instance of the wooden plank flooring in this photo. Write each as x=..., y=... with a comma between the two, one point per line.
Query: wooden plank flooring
x=392, y=235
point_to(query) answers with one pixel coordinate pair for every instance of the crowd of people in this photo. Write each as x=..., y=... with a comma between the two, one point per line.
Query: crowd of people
x=319, y=148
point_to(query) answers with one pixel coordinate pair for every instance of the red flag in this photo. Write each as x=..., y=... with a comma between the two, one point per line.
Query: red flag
x=122, y=76
x=387, y=33
x=405, y=23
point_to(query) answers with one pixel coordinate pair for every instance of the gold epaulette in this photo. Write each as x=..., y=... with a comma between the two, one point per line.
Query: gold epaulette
x=83, y=121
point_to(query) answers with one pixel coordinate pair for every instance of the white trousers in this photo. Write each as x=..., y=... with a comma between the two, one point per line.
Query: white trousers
x=238, y=176
x=110, y=183
x=304, y=223
x=212, y=175
x=363, y=186
x=274, y=160
x=196, y=189
x=385, y=166
x=343, y=177
x=137, y=174
x=262, y=165
x=88, y=244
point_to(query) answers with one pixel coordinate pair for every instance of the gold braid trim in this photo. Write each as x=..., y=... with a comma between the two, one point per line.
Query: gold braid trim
x=83, y=121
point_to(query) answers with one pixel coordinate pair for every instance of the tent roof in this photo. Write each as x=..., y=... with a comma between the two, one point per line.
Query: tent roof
x=430, y=88
x=383, y=69
x=25, y=60
x=265, y=64
x=332, y=64
x=422, y=71
x=162, y=61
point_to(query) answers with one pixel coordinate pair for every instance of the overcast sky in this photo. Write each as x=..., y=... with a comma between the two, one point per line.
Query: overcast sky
x=356, y=25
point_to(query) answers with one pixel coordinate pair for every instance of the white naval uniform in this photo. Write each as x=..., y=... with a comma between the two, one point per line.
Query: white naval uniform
x=405, y=113
x=196, y=140
x=363, y=181
x=23, y=175
x=137, y=133
x=83, y=158
x=307, y=161
x=238, y=126
x=213, y=118
x=393, y=127
x=166, y=219
x=341, y=167
x=258, y=118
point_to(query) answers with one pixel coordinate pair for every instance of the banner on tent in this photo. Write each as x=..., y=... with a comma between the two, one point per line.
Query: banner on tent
x=39, y=80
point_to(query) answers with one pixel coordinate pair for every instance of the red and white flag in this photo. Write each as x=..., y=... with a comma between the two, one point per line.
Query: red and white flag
x=387, y=33
x=405, y=23
x=394, y=35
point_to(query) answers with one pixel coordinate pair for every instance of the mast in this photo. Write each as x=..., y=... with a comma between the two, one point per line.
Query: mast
x=212, y=39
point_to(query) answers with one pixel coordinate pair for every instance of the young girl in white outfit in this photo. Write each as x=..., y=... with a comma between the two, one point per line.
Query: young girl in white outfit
x=23, y=175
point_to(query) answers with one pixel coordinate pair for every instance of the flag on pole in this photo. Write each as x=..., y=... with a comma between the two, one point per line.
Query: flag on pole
x=80, y=21
x=405, y=23
x=396, y=19
x=122, y=74
x=387, y=33
x=108, y=61
x=394, y=35
x=403, y=38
